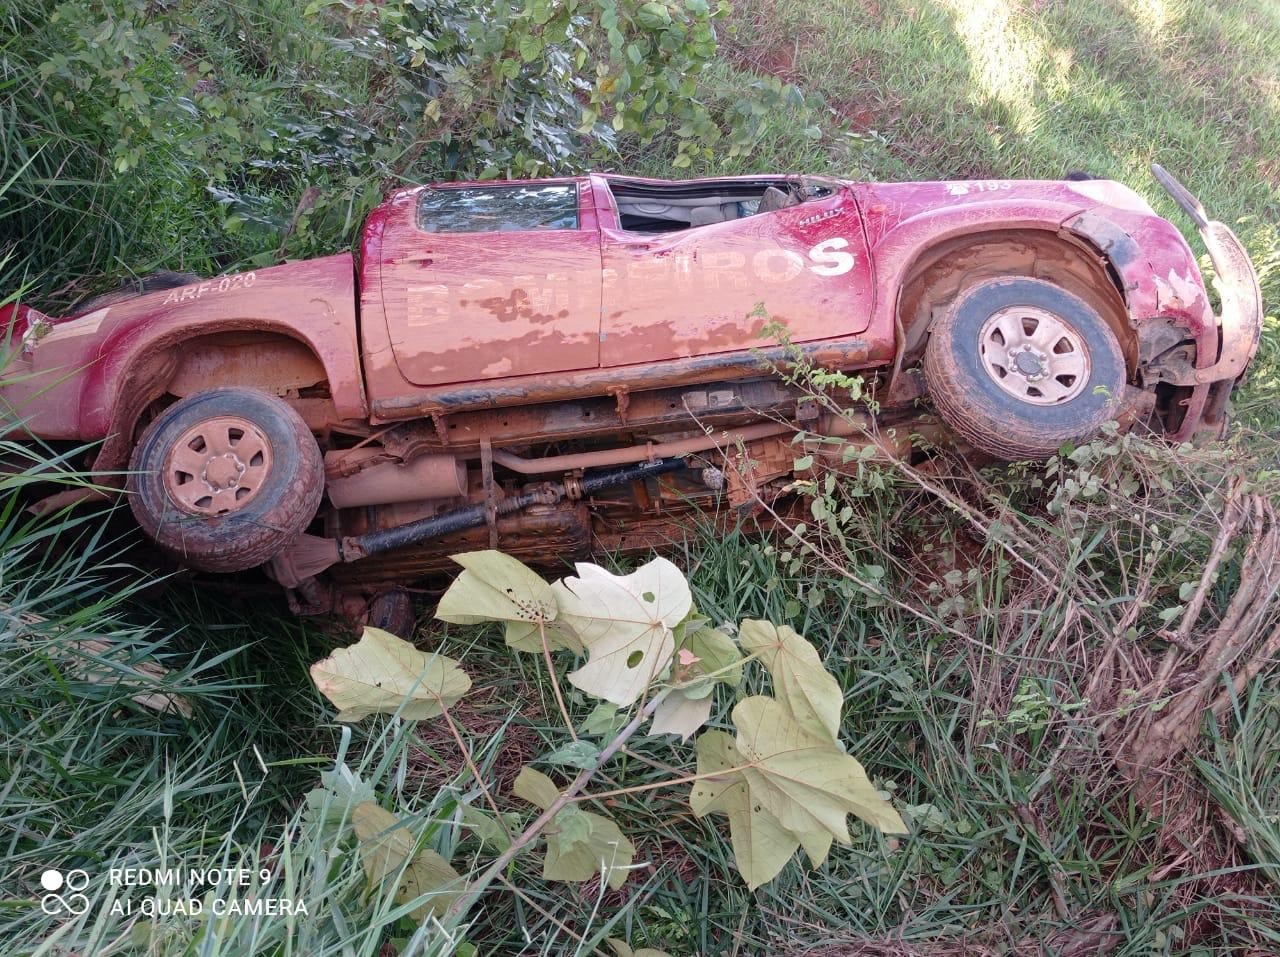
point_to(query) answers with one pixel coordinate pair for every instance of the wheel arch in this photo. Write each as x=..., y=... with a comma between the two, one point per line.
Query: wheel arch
x=937, y=273
x=202, y=516
x=274, y=356
x=1006, y=416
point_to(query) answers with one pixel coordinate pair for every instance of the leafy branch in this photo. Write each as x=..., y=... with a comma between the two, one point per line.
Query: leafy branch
x=784, y=780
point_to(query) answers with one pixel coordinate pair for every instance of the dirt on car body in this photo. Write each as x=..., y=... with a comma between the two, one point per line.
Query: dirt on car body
x=549, y=366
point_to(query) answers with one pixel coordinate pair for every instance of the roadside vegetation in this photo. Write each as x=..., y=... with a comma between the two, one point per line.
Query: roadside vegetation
x=1025, y=656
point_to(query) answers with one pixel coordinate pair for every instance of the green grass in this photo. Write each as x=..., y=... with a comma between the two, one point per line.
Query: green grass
x=89, y=776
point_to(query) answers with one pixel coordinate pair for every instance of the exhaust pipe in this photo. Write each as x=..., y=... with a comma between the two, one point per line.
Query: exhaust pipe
x=428, y=476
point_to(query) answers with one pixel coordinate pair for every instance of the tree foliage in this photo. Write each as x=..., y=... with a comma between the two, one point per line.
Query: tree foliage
x=496, y=88
x=269, y=129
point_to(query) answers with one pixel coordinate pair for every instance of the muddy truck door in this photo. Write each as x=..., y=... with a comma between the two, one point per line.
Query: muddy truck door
x=481, y=282
x=712, y=286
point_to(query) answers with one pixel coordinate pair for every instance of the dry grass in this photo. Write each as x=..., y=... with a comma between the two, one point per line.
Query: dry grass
x=1110, y=616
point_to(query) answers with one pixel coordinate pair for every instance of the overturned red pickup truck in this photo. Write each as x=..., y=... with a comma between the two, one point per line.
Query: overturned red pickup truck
x=558, y=365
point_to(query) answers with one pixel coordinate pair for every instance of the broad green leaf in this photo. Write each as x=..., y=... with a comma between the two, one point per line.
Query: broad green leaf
x=383, y=674
x=624, y=623
x=653, y=15
x=486, y=828
x=530, y=47
x=495, y=587
x=580, y=844
x=717, y=655
x=579, y=857
x=678, y=713
x=603, y=720
x=388, y=851
x=800, y=682
x=761, y=846
x=340, y=790
x=692, y=622
x=574, y=754
x=572, y=825
x=802, y=778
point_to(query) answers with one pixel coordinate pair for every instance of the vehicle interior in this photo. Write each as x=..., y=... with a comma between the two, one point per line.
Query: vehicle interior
x=668, y=207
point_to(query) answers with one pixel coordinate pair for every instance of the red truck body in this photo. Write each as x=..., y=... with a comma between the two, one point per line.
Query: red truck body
x=464, y=326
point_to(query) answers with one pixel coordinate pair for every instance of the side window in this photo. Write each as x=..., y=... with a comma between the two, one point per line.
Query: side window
x=494, y=209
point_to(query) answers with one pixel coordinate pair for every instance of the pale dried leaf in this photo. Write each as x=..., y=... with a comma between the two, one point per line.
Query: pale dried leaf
x=761, y=845
x=678, y=713
x=800, y=682
x=387, y=852
x=383, y=674
x=495, y=587
x=625, y=623
x=804, y=780
x=115, y=669
x=527, y=636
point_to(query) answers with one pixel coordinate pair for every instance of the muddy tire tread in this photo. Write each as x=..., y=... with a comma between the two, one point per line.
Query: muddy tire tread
x=242, y=539
x=997, y=425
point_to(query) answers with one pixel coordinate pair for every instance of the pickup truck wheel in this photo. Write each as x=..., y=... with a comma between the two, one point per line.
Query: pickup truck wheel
x=1018, y=367
x=225, y=479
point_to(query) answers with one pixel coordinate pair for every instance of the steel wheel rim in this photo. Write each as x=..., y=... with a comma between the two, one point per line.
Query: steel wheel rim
x=218, y=466
x=1034, y=355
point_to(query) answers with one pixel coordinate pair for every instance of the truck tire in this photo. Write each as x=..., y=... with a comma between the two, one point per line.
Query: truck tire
x=1018, y=367
x=225, y=479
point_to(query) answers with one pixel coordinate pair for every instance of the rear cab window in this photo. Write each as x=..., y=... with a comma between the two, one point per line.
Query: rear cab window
x=499, y=209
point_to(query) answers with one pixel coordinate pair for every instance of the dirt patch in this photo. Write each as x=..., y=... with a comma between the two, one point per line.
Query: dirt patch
x=763, y=36
x=436, y=759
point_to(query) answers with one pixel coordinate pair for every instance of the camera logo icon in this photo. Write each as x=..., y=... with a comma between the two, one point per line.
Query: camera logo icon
x=63, y=892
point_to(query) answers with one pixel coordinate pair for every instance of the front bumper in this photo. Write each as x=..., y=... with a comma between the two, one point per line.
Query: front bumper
x=1240, y=320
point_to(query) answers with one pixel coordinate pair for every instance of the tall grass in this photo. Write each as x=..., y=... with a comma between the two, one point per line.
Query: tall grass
x=211, y=186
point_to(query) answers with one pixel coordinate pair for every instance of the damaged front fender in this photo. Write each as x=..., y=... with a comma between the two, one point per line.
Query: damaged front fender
x=1240, y=321
x=1181, y=341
